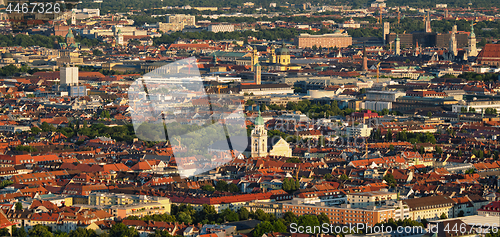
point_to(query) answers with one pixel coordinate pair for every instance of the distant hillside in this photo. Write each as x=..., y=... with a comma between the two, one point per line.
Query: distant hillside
x=126, y=5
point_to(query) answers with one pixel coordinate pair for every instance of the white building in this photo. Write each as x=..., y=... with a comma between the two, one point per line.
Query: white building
x=361, y=130
x=373, y=198
x=221, y=28
x=69, y=76
x=478, y=106
x=384, y=95
x=378, y=105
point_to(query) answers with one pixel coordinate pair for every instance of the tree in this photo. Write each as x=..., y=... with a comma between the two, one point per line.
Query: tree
x=323, y=218
x=4, y=232
x=19, y=206
x=19, y=232
x=279, y=226
x=429, y=114
x=97, y=52
x=263, y=107
x=389, y=135
x=5, y=183
x=243, y=213
x=443, y=216
x=461, y=213
x=229, y=215
x=81, y=232
x=389, y=178
x=344, y=177
x=289, y=218
x=121, y=230
x=391, y=147
x=262, y=228
x=233, y=188
x=221, y=186
x=35, y=130
x=41, y=231
x=208, y=188
x=184, y=217
x=439, y=150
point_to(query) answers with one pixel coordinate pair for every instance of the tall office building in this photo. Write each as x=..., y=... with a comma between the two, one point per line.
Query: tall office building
x=69, y=76
x=387, y=30
x=69, y=82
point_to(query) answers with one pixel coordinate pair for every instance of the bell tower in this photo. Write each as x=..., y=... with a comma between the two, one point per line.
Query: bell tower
x=259, y=138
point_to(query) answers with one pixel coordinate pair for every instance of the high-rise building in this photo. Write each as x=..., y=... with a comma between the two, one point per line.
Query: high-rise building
x=259, y=138
x=472, y=50
x=69, y=76
x=387, y=30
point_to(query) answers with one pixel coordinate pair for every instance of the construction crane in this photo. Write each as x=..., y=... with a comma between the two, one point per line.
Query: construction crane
x=378, y=70
x=220, y=87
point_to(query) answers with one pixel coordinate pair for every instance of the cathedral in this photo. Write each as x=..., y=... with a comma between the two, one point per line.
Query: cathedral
x=279, y=60
x=261, y=146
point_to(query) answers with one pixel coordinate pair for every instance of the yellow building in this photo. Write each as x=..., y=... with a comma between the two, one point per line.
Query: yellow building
x=280, y=60
x=430, y=208
x=162, y=206
x=281, y=148
x=374, y=198
x=106, y=199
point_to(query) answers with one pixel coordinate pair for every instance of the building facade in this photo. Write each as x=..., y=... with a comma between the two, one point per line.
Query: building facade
x=337, y=39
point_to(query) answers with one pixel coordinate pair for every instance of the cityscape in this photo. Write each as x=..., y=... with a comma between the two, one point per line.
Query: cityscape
x=255, y=118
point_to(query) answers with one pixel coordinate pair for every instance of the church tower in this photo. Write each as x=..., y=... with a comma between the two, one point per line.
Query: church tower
x=119, y=37
x=283, y=55
x=255, y=58
x=453, y=42
x=259, y=138
x=272, y=59
x=472, y=50
x=365, y=59
x=428, y=28
x=257, y=71
x=397, y=50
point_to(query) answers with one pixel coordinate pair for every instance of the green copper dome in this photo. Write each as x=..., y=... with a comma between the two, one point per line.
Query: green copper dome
x=259, y=120
x=70, y=34
x=282, y=51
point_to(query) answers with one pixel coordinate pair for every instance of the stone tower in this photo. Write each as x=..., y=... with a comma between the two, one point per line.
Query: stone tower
x=259, y=138
x=472, y=50
x=257, y=73
x=397, y=48
x=453, y=42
